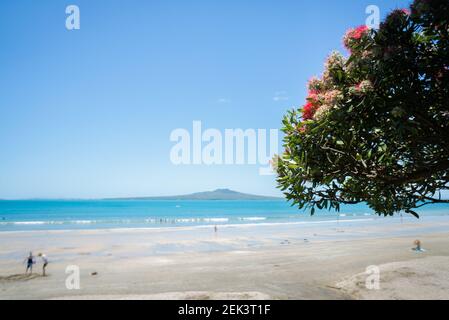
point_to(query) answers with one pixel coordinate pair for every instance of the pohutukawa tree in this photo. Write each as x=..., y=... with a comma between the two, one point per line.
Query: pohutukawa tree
x=375, y=126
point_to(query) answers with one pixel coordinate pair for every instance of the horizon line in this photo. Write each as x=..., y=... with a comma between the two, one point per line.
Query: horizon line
x=136, y=197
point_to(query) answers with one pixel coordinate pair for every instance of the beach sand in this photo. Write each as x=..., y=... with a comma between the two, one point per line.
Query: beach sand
x=267, y=261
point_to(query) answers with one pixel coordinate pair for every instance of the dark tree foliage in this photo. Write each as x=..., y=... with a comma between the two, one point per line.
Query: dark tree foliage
x=375, y=127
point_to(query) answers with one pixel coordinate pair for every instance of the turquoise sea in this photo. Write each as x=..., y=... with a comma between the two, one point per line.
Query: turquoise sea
x=101, y=214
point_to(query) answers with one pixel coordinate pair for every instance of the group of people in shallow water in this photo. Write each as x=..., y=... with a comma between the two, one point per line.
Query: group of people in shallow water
x=30, y=260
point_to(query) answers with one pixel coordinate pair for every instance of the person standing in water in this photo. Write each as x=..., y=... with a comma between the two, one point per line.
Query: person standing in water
x=45, y=261
x=29, y=262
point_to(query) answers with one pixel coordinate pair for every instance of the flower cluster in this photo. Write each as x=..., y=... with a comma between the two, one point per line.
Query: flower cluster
x=362, y=88
x=308, y=111
x=353, y=37
x=334, y=61
x=335, y=64
x=332, y=97
x=315, y=85
x=365, y=86
x=363, y=61
x=329, y=91
x=322, y=111
x=367, y=55
x=320, y=102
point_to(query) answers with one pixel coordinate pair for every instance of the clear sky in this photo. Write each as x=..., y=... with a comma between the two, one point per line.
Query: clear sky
x=88, y=113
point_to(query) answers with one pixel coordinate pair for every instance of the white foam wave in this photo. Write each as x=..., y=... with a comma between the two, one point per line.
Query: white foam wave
x=253, y=218
x=82, y=221
x=215, y=219
x=29, y=222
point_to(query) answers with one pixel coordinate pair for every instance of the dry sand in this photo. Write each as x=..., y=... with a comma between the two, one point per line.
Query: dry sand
x=423, y=279
x=260, y=262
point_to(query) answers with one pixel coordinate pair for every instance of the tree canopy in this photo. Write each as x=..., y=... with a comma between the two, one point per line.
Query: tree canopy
x=375, y=125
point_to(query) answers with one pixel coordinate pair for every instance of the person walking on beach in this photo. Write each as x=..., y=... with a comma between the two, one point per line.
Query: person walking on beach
x=45, y=262
x=29, y=262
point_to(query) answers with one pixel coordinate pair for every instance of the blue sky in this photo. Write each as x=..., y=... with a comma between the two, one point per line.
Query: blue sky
x=88, y=113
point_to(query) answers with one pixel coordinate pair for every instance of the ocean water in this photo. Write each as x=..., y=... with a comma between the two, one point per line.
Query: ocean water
x=105, y=214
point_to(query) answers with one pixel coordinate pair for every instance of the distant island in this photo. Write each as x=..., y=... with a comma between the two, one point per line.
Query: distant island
x=219, y=194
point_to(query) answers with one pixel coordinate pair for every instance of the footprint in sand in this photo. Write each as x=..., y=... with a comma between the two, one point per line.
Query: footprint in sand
x=19, y=277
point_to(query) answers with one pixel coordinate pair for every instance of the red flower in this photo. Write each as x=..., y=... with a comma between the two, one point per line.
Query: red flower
x=312, y=97
x=406, y=11
x=353, y=36
x=358, y=32
x=308, y=111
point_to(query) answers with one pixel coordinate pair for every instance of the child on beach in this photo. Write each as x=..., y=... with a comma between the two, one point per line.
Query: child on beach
x=418, y=247
x=29, y=262
x=44, y=261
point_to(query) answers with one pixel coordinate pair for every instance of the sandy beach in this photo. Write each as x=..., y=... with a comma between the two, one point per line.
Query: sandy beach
x=323, y=260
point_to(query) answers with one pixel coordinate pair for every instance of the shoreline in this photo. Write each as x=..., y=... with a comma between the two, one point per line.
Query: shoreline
x=193, y=227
